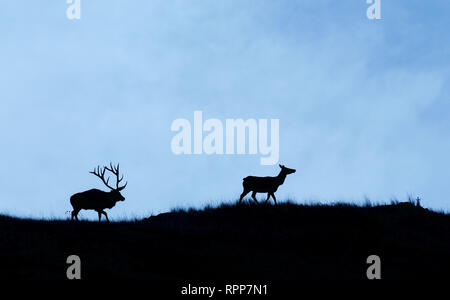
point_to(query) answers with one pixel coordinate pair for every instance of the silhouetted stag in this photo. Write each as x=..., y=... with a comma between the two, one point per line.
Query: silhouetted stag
x=96, y=199
x=267, y=184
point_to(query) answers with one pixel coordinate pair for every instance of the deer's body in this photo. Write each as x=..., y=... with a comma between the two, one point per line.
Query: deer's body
x=266, y=184
x=96, y=199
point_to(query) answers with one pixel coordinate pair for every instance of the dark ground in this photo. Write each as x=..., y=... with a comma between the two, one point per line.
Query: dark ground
x=262, y=242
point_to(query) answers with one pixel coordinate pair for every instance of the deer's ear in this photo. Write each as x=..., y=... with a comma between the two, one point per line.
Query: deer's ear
x=281, y=166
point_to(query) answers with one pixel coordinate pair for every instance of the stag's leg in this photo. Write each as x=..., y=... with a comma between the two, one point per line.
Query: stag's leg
x=99, y=216
x=75, y=214
x=103, y=212
x=274, y=199
x=254, y=197
x=245, y=192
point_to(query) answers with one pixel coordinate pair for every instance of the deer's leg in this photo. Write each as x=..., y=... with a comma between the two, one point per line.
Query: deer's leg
x=75, y=214
x=99, y=216
x=254, y=197
x=274, y=199
x=268, y=197
x=103, y=212
x=245, y=192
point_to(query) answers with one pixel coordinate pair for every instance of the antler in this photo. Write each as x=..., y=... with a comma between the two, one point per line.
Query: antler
x=115, y=171
x=101, y=174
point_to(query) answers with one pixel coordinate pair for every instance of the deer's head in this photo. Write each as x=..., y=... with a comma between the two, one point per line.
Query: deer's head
x=115, y=194
x=286, y=171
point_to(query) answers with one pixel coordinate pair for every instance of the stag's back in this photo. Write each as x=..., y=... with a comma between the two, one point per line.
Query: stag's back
x=92, y=199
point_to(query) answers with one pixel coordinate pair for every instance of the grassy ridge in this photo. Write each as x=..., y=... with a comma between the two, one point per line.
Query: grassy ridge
x=286, y=241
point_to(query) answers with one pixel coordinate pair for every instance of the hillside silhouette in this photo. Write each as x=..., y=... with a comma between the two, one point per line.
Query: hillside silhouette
x=257, y=242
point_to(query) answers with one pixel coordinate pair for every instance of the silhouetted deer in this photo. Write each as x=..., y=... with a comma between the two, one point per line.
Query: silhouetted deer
x=96, y=199
x=267, y=184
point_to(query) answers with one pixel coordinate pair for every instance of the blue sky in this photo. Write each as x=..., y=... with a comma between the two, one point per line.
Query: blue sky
x=363, y=104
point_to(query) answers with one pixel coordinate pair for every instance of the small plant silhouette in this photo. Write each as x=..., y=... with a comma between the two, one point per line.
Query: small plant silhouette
x=267, y=184
x=96, y=199
x=418, y=202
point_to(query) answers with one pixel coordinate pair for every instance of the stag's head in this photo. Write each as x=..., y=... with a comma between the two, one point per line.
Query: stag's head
x=286, y=171
x=115, y=192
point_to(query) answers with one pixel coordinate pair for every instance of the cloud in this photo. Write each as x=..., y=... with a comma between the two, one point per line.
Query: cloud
x=353, y=100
